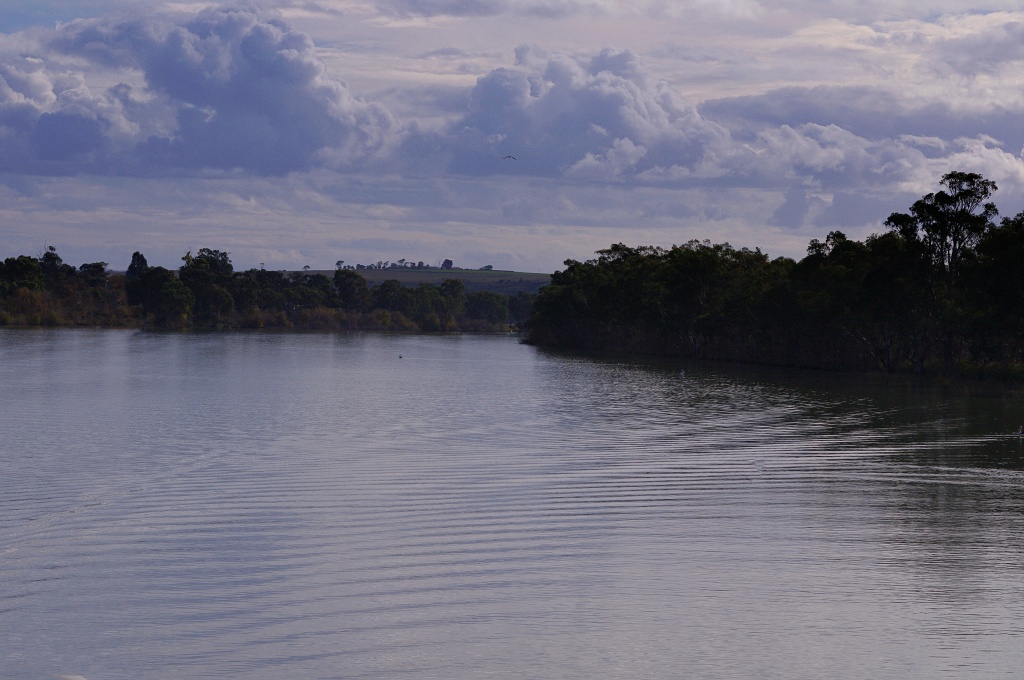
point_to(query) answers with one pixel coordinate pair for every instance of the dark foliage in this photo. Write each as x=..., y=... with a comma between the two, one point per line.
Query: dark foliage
x=942, y=289
x=206, y=292
x=46, y=291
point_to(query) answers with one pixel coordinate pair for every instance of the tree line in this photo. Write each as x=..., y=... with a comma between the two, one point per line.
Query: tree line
x=940, y=290
x=402, y=263
x=206, y=292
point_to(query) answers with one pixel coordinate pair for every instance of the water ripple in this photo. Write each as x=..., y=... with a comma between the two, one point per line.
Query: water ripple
x=305, y=506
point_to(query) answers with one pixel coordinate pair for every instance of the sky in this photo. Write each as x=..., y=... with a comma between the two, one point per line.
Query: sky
x=511, y=133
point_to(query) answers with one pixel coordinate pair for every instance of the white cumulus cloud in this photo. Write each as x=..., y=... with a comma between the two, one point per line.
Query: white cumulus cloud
x=227, y=90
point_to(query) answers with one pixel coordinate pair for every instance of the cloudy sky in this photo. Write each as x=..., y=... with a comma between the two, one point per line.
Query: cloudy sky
x=295, y=132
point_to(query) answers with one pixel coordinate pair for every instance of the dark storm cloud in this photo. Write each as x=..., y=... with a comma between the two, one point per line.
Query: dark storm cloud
x=229, y=89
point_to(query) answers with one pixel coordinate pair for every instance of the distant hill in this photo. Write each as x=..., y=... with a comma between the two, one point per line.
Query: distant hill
x=495, y=281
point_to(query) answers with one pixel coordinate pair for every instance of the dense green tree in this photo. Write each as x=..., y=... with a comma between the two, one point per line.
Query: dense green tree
x=487, y=306
x=209, y=277
x=950, y=223
x=596, y=304
x=21, y=272
x=898, y=315
x=942, y=288
x=352, y=291
x=137, y=266
x=206, y=291
x=322, y=286
x=245, y=292
x=430, y=309
x=93, y=274
x=302, y=297
x=454, y=293
x=259, y=289
x=57, y=276
x=165, y=300
x=520, y=306
x=135, y=292
x=996, y=292
x=392, y=296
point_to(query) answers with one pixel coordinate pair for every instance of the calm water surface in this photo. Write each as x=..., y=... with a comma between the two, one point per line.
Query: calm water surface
x=314, y=506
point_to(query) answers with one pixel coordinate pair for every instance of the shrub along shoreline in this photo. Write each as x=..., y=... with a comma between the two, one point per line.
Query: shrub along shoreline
x=941, y=291
x=206, y=293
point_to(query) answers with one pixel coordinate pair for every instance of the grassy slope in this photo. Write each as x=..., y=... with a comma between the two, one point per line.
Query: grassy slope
x=505, y=282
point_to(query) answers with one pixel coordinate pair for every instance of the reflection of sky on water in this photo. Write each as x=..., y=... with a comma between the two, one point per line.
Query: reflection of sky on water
x=310, y=505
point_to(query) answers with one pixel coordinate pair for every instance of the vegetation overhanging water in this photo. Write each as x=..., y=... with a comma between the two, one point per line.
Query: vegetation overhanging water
x=941, y=291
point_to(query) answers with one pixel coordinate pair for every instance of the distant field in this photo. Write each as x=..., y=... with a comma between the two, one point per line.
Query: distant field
x=505, y=282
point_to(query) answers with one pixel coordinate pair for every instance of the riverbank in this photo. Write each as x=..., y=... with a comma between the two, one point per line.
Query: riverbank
x=206, y=293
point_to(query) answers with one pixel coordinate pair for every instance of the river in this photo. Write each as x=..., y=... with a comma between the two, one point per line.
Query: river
x=267, y=506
